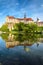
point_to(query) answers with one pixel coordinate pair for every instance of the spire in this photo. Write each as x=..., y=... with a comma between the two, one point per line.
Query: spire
x=25, y=15
x=38, y=20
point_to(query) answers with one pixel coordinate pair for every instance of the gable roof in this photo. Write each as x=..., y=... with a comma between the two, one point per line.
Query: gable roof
x=10, y=17
x=27, y=19
x=41, y=22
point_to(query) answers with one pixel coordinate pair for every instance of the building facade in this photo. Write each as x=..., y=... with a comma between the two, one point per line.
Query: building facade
x=10, y=20
x=39, y=23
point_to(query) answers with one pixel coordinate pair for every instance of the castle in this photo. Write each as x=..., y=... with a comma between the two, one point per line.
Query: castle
x=10, y=20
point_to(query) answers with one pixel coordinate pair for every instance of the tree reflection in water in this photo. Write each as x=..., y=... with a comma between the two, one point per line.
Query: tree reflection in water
x=21, y=40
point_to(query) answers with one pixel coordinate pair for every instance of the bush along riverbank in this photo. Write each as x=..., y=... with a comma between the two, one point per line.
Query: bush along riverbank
x=22, y=28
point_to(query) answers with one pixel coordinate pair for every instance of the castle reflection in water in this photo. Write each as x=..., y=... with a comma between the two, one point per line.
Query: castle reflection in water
x=19, y=40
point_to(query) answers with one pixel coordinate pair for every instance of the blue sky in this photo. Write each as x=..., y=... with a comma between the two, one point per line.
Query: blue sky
x=17, y=8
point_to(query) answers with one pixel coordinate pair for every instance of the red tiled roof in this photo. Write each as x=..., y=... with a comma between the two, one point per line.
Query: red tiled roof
x=27, y=19
x=10, y=17
x=41, y=22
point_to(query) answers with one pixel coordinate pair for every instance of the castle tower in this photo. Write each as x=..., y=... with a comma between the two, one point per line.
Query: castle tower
x=38, y=20
x=25, y=15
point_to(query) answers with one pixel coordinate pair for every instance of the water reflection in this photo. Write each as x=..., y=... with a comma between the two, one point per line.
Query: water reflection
x=21, y=40
x=21, y=49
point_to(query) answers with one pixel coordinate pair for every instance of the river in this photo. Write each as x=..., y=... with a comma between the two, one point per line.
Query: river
x=21, y=50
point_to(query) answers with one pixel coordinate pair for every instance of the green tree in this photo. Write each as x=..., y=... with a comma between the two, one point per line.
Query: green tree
x=4, y=28
x=18, y=26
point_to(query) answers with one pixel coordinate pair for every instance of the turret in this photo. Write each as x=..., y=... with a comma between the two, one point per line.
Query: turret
x=38, y=20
